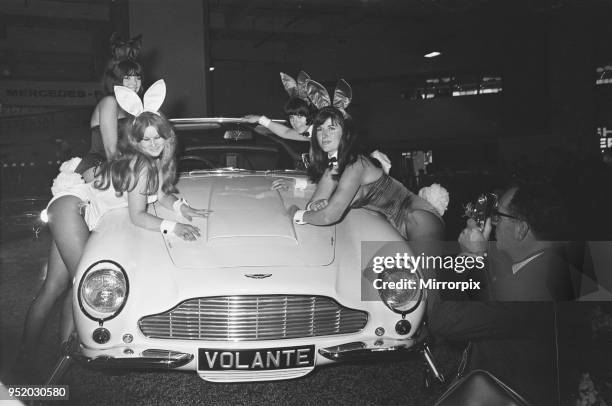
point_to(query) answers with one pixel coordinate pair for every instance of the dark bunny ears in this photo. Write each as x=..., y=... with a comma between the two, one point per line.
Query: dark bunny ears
x=121, y=49
x=296, y=88
x=313, y=92
x=319, y=96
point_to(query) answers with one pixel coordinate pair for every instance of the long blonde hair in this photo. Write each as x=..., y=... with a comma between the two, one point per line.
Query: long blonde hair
x=131, y=162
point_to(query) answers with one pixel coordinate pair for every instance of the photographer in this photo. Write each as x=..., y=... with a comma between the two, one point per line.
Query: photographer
x=528, y=226
x=512, y=335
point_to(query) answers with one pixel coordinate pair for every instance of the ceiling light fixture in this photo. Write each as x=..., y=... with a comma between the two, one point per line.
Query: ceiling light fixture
x=432, y=54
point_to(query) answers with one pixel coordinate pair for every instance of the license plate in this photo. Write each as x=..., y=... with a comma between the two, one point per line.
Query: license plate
x=256, y=359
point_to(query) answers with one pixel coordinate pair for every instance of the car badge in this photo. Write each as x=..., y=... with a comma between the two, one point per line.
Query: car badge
x=258, y=275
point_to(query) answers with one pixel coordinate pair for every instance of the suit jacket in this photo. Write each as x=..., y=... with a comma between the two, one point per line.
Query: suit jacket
x=512, y=335
x=545, y=278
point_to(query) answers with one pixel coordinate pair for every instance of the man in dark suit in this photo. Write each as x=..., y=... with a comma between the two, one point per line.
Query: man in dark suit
x=513, y=334
x=528, y=222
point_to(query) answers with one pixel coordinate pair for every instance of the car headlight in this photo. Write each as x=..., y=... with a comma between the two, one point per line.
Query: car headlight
x=400, y=290
x=103, y=290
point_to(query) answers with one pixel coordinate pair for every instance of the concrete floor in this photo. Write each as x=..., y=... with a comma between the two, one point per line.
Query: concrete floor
x=22, y=261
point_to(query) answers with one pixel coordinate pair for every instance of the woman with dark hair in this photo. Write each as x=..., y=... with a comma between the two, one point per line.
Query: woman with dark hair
x=347, y=178
x=298, y=109
x=108, y=118
x=299, y=113
x=146, y=156
x=306, y=98
x=68, y=227
x=64, y=214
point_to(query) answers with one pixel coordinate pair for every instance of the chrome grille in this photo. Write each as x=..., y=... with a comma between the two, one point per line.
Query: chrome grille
x=247, y=318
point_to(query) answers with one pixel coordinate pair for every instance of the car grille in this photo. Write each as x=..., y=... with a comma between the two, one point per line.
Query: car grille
x=247, y=318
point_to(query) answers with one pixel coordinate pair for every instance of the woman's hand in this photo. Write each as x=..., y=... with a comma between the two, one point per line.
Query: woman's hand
x=384, y=160
x=190, y=212
x=186, y=232
x=318, y=205
x=283, y=184
x=251, y=118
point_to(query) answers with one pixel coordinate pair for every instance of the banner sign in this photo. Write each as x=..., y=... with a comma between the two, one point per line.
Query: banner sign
x=7, y=110
x=32, y=93
x=605, y=138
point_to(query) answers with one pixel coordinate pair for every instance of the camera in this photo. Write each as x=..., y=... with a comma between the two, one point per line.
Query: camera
x=481, y=208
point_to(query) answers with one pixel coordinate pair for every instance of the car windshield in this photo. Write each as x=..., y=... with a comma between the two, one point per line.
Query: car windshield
x=206, y=144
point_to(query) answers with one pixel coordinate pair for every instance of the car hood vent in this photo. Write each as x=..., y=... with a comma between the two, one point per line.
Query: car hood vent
x=249, y=226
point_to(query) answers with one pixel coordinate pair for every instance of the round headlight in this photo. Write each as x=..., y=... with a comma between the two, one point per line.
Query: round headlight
x=400, y=291
x=103, y=290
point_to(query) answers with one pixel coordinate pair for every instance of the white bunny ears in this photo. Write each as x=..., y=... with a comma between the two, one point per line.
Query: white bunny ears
x=152, y=100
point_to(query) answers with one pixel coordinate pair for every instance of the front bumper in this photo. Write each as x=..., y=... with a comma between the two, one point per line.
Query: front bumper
x=168, y=360
x=150, y=359
x=362, y=350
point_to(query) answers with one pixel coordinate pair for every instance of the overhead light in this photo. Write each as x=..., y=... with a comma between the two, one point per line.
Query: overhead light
x=212, y=68
x=432, y=54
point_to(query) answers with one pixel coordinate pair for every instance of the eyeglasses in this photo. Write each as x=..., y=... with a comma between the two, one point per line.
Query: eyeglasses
x=296, y=116
x=496, y=217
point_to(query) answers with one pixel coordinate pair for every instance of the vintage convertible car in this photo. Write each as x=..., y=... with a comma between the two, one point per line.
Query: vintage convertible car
x=256, y=297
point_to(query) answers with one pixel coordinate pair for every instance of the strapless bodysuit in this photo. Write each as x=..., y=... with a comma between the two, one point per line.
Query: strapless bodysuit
x=393, y=200
x=96, y=154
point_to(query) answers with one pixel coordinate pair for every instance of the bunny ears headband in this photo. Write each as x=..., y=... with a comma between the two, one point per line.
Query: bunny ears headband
x=313, y=92
x=152, y=100
x=296, y=88
x=319, y=96
x=121, y=50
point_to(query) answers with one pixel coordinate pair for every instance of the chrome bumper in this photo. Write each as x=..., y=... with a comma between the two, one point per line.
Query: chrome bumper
x=359, y=350
x=159, y=359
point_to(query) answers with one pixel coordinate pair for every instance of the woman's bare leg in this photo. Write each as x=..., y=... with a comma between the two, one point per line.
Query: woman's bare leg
x=66, y=319
x=70, y=233
x=69, y=230
x=56, y=282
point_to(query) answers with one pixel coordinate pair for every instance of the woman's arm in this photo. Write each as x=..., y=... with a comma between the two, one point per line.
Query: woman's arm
x=109, y=114
x=341, y=198
x=180, y=206
x=325, y=187
x=281, y=130
x=137, y=208
x=166, y=200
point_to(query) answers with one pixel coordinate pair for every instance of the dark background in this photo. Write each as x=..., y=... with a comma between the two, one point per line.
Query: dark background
x=546, y=122
x=546, y=53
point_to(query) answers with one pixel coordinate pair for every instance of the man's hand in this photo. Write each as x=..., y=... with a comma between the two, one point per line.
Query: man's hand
x=474, y=241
